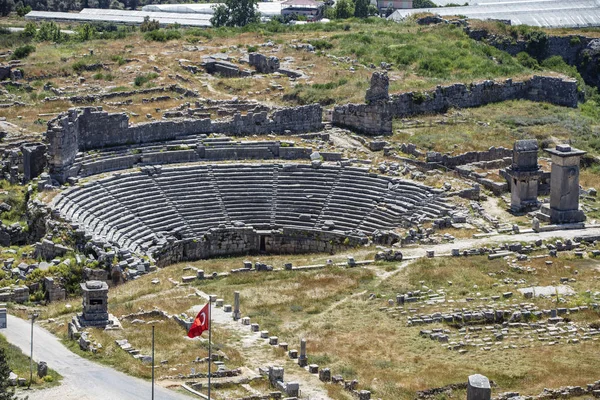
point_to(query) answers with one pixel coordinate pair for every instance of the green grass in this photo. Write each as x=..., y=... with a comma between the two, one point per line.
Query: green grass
x=19, y=364
x=14, y=196
x=501, y=124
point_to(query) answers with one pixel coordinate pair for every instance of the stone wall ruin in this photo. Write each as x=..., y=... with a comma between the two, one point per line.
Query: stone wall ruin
x=91, y=128
x=376, y=118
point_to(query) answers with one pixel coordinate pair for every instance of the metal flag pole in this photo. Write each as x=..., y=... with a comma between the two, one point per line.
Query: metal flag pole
x=33, y=318
x=152, y=362
x=209, y=342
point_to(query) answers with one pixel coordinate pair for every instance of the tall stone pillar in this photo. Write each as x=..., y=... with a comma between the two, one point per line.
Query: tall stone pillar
x=236, y=306
x=564, y=186
x=524, y=176
x=302, y=359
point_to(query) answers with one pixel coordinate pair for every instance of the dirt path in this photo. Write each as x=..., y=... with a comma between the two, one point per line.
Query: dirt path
x=260, y=353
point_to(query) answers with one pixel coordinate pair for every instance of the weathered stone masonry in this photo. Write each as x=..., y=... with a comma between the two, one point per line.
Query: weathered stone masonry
x=376, y=118
x=91, y=128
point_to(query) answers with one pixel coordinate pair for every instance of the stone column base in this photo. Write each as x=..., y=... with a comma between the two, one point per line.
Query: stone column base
x=553, y=216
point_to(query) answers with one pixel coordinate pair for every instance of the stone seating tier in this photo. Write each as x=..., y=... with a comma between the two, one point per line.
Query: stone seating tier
x=141, y=211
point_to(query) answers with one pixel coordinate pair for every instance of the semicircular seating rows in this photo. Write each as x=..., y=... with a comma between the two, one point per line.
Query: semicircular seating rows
x=135, y=210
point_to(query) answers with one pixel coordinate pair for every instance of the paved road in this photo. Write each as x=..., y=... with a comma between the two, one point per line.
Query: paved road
x=82, y=379
x=445, y=249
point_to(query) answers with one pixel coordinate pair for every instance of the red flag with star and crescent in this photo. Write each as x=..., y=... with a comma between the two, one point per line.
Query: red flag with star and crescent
x=201, y=323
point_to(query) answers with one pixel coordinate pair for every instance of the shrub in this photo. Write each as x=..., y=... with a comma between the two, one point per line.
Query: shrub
x=252, y=49
x=536, y=43
x=575, y=41
x=143, y=79
x=22, y=51
x=30, y=29
x=149, y=26
x=527, y=61
x=162, y=35
x=49, y=31
x=85, y=32
x=321, y=44
x=118, y=59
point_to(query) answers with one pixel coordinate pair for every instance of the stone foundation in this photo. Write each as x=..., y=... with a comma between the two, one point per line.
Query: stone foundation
x=246, y=240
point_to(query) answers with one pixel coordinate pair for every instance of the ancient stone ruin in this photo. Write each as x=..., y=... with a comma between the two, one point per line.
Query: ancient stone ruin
x=524, y=174
x=91, y=128
x=564, y=187
x=95, y=304
x=376, y=118
x=264, y=64
x=202, y=211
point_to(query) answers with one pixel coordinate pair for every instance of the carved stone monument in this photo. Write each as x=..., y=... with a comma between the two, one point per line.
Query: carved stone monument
x=524, y=176
x=95, y=304
x=564, y=186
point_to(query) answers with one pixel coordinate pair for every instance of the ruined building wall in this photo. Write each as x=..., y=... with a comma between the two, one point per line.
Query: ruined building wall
x=375, y=118
x=91, y=128
x=228, y=241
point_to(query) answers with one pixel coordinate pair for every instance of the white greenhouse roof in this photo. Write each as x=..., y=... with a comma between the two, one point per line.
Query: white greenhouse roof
x=546, y=13
x=122, y=17
x=267, y=9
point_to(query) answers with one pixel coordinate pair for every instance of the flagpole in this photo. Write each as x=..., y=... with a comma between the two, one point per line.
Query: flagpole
x=152, y=362
x=209, y=342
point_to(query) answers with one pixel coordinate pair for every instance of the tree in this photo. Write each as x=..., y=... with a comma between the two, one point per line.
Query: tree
x=220, y=16
x=344, y=9
x=6, y=7
x=6, y=391
x=361, y=8
x=235, y=13
x=424, y=4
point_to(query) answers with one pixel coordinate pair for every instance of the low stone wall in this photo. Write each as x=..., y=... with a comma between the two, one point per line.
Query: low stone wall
x=91, y=128
x=558, y=91
x=376, y=118
x=494, y=153
x=17, y=294
x=228, y=241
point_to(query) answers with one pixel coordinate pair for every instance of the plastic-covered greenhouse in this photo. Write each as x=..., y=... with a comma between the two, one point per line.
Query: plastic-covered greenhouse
x=546, y=13
x=122, y=17
x=267, y=9
x=166, y=14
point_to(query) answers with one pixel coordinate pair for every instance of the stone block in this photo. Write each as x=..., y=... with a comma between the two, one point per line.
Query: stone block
x=478, y=388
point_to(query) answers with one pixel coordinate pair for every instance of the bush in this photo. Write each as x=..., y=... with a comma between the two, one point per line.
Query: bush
x=575, y=41
x=527, y=61
x=148, y=25
x=321, y=44
x=85, y=32
x=22, y=52
x=118, y=59
x=143, y=79
x=162, y=35
x=49, y=31
x=30, y=29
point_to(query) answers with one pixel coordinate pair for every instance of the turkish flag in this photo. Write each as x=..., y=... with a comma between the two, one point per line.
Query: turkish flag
x=201, y=323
